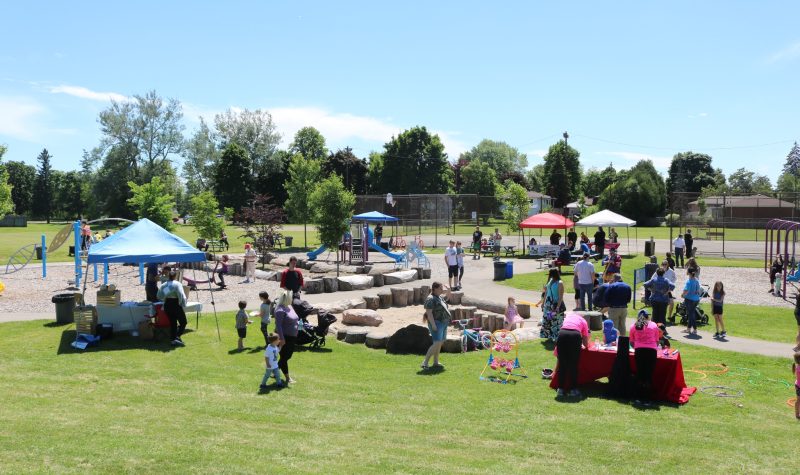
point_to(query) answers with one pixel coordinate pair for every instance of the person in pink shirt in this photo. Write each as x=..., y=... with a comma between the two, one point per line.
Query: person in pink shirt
x=574, y=332
x=644, y=335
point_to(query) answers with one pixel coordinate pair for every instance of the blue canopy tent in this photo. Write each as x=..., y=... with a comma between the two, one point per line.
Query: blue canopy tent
x=375, y=216
x=145, y=242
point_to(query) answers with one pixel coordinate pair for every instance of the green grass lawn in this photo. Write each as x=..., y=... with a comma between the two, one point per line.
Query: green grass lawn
x=11, y=239
x=131, y=406
x=760, y=323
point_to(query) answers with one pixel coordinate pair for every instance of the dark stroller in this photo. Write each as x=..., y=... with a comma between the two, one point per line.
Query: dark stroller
x=680, y=309
x=308, y=334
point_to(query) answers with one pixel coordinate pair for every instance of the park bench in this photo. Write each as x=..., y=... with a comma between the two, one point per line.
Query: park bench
x=214, y=246
x=714, y=234
x=509, y=250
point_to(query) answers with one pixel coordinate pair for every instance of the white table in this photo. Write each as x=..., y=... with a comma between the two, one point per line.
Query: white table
x=543, y=249
x=128, y=315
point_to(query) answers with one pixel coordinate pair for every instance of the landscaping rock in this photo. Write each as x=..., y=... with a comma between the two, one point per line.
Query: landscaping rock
x=281, y=261
x=399, y=277
x=266, y=275
x=529, y=333
x=426, y=273
x=424, y=291
x=322, y=267
x=416, y=299
x=373, y=302
x=341, y=305
x=399, y=297
x=341, y=333
x=524, y=310
x=376, y=339
x=331, y=284
x=455, y=297
x=355, y=282
x=419, y=272
x=452, y=344
x=377, y=280
x=489, y=306
x=413, y=339
x=356, y=336
x=313, y=286
x=363, y=317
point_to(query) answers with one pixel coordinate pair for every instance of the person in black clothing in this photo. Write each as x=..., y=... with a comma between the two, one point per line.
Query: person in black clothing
x=775, y=269
x=292, y=278
x=151, y=282
x=572, y=238
x=476, y=243
x=555, y=238
x=378, y=234
x=600, y=242
x=689, y=240
x=670, y=261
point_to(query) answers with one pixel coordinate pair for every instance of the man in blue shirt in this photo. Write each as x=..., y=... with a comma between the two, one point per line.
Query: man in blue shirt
x=618, y=295
x=660, y=289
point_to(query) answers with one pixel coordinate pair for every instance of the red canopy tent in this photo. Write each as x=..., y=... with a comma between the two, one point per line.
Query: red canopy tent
x=547, y=220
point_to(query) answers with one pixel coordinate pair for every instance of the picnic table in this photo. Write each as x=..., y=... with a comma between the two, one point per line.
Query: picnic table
x=214, y=246
x=509, y=250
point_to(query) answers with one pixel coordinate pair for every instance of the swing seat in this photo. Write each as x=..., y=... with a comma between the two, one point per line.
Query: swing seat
x=794, y=277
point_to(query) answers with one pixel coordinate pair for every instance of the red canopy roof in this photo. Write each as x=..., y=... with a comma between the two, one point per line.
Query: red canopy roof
x=547, y=220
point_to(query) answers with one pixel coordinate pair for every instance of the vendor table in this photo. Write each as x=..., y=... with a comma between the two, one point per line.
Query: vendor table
x=126, y=316
x=543, y=249
x=668, y=382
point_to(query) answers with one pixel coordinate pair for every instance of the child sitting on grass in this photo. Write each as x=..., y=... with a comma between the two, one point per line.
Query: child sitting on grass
x=242, y=320
x=271, y=359
x=512, y=316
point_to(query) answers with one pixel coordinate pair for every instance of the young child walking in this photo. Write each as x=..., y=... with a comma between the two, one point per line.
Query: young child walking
x=512, y=316
x=460, y=260
x=265, y=314
x=717, y=298
x=271, y=359
x=242, y=320
x=796, y=371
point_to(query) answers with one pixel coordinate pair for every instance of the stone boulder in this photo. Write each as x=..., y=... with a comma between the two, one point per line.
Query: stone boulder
x=356, y=335
x=413, y=339
x=321, y=267
x=399, y=277
x=331, y=284
x=313, y=286
x=363, y=317
x=341, y=305
x=528, y=333
x=376, y=339
x=452, y=344
x=355, y=282
x=267, y=275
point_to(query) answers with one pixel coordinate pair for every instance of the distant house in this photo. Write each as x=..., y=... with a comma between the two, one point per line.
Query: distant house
x=574, y=207
x=539, y=202
x=743, y=207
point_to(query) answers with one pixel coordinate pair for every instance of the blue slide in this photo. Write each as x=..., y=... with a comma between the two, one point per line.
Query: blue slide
x=397, y=257
x=312, y=256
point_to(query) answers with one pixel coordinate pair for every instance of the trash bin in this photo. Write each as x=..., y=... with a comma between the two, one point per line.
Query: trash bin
x=509, y=269
x=649, y=248
x=65, y=303
x=288, y=240
x=38, y=249
x=499, y=270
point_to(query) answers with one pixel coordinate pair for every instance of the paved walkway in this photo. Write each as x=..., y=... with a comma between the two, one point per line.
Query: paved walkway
x=478, y=283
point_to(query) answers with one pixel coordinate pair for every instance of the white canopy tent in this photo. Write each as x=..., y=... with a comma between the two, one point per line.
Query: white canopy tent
x=610, y=219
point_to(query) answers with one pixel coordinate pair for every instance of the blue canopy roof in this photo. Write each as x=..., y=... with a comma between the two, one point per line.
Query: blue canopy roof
x=374, y=216
x=141, y=242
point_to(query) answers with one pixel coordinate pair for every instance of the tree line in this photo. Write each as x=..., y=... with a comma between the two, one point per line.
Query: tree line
x=144, y=161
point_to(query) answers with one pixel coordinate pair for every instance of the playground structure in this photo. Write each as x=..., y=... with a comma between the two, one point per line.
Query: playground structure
x=503, y=365
x=782, y=232
x=359, y=241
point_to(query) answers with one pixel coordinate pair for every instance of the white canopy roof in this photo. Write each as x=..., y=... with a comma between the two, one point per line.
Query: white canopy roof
x=606, y=218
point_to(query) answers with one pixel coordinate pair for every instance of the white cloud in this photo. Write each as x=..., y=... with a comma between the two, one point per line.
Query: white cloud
x=789, y=53
x=84, y=93
x=20, y=118
x=661, y=163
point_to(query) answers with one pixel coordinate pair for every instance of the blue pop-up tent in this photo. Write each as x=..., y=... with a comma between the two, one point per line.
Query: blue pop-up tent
x=374, y=216
x=144, y=242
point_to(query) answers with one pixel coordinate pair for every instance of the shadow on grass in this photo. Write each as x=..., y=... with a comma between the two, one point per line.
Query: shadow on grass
x=548, y=344
x=310, y=349
x=56, y=324
x=118, y=343
x=272, y=387
x=431, y=371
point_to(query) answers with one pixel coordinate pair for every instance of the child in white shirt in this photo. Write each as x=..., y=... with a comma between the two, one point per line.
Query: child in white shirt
x=271, y=358
x=265, y=314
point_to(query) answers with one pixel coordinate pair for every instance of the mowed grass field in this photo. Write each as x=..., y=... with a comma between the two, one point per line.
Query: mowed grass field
x=12, y=239
x=143, y=407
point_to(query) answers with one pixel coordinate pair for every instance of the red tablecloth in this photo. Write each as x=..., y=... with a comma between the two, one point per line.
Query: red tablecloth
x=668, y=382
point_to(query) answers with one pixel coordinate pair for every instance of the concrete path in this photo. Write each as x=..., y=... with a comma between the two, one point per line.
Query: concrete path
x=478, y=283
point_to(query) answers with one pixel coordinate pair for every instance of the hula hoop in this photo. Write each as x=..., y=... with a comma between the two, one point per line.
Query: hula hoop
x=720, y=371
x=721, y=391
x=746, y=372
x=704, y=375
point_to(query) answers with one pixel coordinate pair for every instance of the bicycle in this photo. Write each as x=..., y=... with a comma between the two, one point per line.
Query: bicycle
x=475, y=337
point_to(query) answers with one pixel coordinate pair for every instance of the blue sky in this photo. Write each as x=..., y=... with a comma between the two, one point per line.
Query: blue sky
x=627, y=80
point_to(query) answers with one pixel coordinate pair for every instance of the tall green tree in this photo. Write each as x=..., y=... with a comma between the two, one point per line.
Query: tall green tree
x=303, y=177
x=352, y=170
x=596, y=181
x=232, y=178
x=200, y=156
x=500, y=156
x=333, y=206
x=639, y=193
x=152, y=201
x=516, y=205
x=477, y=177
x=690, y=172
x=415, y=162
x=562, y=173
x=6, y=203
x=744, y=181
x=792, y=165
x=43, y=204
x=205, y=208
x=256, y=133
x=375, y=174
x=535, y=177
x=309, y=143
x=22, y=178
x=70, y=196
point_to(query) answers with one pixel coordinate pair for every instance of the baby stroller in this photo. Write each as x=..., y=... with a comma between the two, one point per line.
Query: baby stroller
x=308, y=334
x=680, y=309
